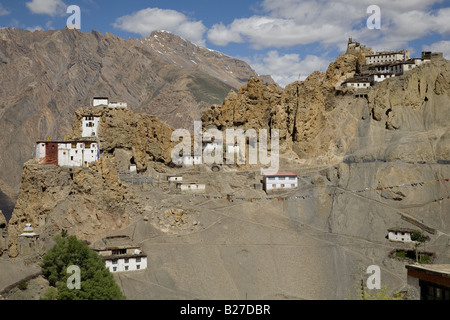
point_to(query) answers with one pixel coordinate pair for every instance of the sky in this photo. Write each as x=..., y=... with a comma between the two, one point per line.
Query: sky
x=288, y=39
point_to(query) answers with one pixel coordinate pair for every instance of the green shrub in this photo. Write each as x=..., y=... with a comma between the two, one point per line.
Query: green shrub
x=23, y=285
x=97, y=283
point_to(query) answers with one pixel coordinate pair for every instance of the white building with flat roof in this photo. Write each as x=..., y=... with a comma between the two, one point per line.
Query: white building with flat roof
x=357, y=83
x=67, y=153
x=104, y=101
x=400, y=68
x=99, y=101
x=121, y=256
x=126, y=262
x=280, y=180
x=378, y=77
x=191, y=187
x=387, y=56
x=89, y=125
x=174, y=178
x=400, y=234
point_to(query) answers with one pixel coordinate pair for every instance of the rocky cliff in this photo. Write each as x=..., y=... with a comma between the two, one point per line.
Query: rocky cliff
x=54, y=198
x=47, y=75
x=87, y=202
x=144, y=136
x=404, y=118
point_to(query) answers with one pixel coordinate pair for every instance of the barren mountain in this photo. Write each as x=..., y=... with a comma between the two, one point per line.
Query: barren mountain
x=47, y=75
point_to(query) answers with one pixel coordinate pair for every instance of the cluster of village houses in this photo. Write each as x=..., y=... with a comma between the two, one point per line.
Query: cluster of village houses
x=384, y=65
x=124, y=256
x=86, y=149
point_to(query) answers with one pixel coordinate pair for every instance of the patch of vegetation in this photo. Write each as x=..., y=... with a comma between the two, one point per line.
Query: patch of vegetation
x=208, y=89
x=96, y=282
x=412, y=255
x=375, y=294
x=23, y=285
x=418, y=236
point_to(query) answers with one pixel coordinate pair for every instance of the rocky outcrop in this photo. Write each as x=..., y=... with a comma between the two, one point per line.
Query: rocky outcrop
x=322, y=124
x=87, y=202
x=144, y=136
x=90, y=202
x=47, y=75
x=2, y=220
x=250, y=107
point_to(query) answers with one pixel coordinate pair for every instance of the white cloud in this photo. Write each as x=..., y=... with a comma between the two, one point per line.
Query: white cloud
x=441, y=46
x=287, y=68
x=32, y=29
x=147, y=20
x=293, y=22
x=263, y=31
x=3, y=11
x=48, y=7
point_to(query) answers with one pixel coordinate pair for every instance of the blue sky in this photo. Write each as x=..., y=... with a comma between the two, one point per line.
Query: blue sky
x=287, y=39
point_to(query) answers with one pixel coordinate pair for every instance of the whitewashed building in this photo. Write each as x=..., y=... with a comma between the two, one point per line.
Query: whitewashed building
x=378, y=77
x=381, y=68
x=402, y=67
x=388, y=56
x=104, y=101
x=174, y=178
x=123, y=258
x=67, y=153
x=357, y=83
x=400, y=234
x=280, y=180
x=89, y=126
x=191, y=187
x=99, y=101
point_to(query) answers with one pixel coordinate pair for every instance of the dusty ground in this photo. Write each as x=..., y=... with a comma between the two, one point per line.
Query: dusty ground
x=315, y=248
